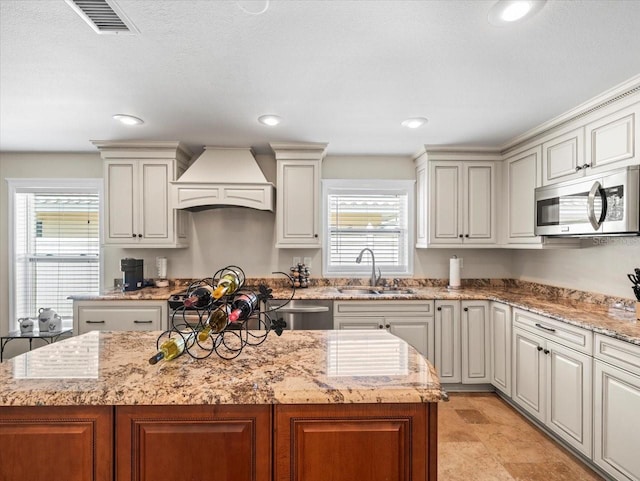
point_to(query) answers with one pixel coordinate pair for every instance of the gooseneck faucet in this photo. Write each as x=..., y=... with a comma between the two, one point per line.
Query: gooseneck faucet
x=374, y=279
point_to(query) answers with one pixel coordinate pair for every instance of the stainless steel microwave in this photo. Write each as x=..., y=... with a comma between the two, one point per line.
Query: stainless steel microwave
x=605, y=204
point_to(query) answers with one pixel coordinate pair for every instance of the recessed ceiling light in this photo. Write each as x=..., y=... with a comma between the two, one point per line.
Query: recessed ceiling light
x=270, y=120
x=505, y=12
x=128, y=119
x=414, y=122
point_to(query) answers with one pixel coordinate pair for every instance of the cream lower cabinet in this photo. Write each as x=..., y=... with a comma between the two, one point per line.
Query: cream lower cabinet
x=119, y=316
x=411, y=321
x=462, y=341
x=616, y=408
x=552, y=378
x=500, y=334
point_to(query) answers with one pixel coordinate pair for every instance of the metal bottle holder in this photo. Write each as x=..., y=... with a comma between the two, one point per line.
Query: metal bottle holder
x=230, y=341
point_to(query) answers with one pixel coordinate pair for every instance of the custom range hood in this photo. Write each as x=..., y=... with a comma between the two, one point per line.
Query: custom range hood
x=223, y=177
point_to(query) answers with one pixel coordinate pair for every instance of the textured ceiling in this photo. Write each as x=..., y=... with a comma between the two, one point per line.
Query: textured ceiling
x=342, y=72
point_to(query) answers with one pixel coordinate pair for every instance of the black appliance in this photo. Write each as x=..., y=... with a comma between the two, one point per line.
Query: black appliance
x=132, y=274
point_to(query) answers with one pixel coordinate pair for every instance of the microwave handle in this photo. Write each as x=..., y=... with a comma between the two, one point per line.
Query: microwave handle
x=596, y=189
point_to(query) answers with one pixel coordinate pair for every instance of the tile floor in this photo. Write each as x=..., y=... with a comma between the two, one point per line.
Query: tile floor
x=482, y=438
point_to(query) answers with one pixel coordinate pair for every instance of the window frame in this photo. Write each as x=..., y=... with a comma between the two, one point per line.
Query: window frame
x=368, y=185
x=47, y=185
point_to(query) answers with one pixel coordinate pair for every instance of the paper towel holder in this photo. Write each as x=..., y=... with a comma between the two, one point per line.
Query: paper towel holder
x=450, y=286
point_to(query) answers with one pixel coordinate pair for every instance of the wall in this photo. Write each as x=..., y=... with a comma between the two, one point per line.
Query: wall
x=600, y=265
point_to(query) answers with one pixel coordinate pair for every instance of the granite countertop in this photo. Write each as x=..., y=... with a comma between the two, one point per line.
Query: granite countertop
x=578, y=308
x=299, y=367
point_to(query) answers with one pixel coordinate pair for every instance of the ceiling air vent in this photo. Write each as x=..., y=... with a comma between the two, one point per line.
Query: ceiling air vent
x=104, y=16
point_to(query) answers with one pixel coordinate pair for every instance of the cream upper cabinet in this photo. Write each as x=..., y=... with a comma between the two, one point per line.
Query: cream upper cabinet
x=563, y=157
x=456, y=203
x=138, y=207
x=524, y=174
x=422, y=229
x=298, y=201
x=612, y=140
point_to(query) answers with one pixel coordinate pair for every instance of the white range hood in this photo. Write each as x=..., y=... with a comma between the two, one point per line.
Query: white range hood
x=223, y=177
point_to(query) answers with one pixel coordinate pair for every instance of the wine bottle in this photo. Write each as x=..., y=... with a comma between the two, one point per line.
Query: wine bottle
x=243, y=306
x=171, y=348
x=227, y=285
x=200, y=297
x=216, y=322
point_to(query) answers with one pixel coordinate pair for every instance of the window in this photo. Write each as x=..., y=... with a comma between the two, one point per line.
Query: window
x=55, y=244
x=374, y=214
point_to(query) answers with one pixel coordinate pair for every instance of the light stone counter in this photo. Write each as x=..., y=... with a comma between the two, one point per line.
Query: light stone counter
x=299, y=367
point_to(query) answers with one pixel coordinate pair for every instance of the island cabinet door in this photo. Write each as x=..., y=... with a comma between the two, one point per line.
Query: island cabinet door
x=347, y=442
x=46, y=443
x=213, y=443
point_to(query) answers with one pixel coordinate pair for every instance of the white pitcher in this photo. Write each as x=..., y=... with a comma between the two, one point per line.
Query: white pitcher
x=45, y=314
x=26, y=325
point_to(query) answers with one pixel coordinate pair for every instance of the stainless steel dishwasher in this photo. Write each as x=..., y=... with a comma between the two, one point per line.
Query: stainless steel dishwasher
x=304, y=314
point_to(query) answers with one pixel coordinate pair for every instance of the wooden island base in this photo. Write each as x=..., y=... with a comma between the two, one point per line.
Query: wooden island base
x=391, y=442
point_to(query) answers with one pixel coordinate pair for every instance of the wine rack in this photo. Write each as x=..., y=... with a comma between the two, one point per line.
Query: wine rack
x=250, y=329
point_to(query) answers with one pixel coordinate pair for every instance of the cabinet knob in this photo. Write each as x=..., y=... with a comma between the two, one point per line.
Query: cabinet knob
x=539, y=348
x=380, y=326
x=546, y=351
x=578, y=168
x=139, y=235
x=133, y=235
x=439, y=308
x=460, y=236
x=584, y=166
x=388, y=326
x=466, y=309
x=315, y=235
x=466, y=235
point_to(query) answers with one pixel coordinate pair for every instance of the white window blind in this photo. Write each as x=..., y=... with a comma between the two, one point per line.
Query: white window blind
x=56, y=249
x=376, y=218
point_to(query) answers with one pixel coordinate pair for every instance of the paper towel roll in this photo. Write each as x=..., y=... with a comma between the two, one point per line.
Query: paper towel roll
x=454, y=272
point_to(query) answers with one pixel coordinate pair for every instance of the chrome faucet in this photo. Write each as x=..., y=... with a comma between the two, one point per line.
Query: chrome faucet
x=374, y=279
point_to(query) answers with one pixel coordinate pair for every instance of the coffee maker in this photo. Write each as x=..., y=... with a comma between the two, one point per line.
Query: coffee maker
x=132, y=273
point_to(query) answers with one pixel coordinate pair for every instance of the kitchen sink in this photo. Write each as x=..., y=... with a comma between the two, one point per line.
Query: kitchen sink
x=373, y=291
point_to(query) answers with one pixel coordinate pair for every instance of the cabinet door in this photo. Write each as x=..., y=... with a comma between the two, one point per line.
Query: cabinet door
x=347, y=442
x=298, y=200
x=155, y=210
x=217, y=443
x=524, y=175
x=419, y=332
x=476, y=344
x=501, y=347
x=479, y=203
x=569, y=412
x=121, y=202
x=447, y=330
x=563, y=157
x=422, y=232
x=616, y=423
x=358, y=323
x=45, y=443
x=613, y=139
x=445, y=221
x=528, y=371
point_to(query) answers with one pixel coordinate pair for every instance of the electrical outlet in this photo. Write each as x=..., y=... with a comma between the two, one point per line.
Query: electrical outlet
x=296, y=261
x=307, y=262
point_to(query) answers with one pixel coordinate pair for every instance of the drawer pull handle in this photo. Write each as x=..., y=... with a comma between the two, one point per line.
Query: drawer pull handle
x=545, y=328
x=142, y=322
x=94, y=322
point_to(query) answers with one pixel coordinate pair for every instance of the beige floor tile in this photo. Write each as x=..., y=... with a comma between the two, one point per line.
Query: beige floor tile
x=469, y=461
x=451, y=427
x=544, y=472
x=472, y=416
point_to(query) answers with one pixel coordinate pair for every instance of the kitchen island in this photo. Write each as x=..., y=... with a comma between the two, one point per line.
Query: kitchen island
x=308, y=405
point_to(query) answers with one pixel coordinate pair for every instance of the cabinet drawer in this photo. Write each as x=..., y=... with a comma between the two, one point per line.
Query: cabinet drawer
x=566, y=334
x=382, y=308
x=619, y=353
x=119, y=318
